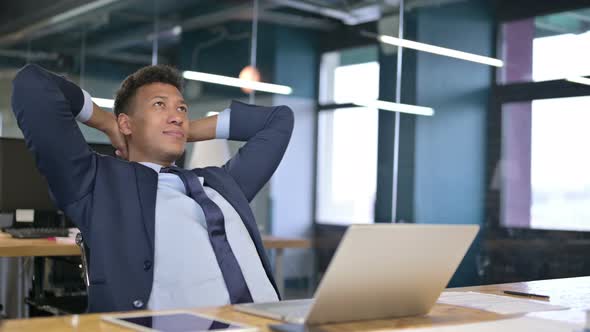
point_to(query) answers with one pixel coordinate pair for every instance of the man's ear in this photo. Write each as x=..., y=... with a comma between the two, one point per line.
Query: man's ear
x=124, y=122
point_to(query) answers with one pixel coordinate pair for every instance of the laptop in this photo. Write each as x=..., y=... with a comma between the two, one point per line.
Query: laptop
x=379, y=271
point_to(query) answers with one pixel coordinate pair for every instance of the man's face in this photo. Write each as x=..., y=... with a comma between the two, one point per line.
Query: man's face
x=158, y=123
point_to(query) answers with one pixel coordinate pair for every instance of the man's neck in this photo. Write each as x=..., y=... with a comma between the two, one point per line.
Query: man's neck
x=145, y=159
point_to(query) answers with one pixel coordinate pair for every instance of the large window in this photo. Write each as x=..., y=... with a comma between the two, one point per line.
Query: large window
x=546, y=47
x=572, y=50
x=347, y=143
x=545, y=171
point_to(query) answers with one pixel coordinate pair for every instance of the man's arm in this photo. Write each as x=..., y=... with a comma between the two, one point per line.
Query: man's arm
x=107, y=123
x=46, y=107
x=267, y=131
x=203, y=129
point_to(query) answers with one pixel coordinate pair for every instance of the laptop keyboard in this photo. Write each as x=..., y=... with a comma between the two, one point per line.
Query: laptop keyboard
x=36, y=232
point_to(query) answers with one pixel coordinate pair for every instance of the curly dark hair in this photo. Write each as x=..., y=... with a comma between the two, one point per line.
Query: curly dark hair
x=146, y=75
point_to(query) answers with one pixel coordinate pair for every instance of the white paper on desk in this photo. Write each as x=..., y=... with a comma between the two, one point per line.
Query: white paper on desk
x=70, y=239
x=504, y=305
x=519, y=324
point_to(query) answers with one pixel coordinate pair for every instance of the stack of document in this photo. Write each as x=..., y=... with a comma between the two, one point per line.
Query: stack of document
x=504, y=305
x=519, y=324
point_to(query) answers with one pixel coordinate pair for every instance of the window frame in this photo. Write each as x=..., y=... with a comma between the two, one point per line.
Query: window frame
x=521, y=92
x=327, y=107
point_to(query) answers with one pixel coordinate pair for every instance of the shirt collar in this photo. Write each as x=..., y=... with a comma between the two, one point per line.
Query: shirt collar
x=153, y=166
x=157, y=168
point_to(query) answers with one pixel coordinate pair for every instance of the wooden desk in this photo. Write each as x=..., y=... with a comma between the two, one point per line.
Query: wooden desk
x=279, y=244
x=571, y=292
x=10, y=247
x=23, y=248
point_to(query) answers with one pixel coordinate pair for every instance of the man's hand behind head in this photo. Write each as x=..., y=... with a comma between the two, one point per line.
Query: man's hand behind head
x=118, y=141
x=107, y=123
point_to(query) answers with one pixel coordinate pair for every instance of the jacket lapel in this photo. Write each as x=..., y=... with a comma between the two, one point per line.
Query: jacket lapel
x=147, y=187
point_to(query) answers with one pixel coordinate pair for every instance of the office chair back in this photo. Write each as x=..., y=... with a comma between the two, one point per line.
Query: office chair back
x=84, y=252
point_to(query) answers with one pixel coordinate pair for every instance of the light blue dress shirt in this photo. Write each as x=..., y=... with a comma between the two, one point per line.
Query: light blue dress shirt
x=186, y=273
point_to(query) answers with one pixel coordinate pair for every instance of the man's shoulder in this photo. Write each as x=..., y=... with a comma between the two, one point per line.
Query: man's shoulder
x=108, y=159
x=108, y=163
x=209, y=171
x=216, y=176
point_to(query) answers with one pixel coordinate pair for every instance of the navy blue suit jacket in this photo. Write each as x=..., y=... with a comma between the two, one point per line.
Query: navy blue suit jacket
x=113, y=201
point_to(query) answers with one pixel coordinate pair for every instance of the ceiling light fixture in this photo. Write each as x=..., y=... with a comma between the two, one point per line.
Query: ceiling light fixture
x=236, y=82
x=395, y=107
x=437, y=50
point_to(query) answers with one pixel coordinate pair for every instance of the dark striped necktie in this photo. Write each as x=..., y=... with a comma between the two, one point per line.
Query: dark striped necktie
x=230, y=269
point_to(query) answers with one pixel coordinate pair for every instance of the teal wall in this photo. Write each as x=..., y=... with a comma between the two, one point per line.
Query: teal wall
x=442, y=158
x=285, y=56
x=227, y=57
x=450, y=147
x=296, y=60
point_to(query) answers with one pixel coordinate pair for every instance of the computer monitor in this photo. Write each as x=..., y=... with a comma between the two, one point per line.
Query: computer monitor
x=21, y=184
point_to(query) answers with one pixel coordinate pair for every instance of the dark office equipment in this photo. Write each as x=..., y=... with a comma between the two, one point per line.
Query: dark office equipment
x=21, y=184
x=6, y=220
x=36, y=232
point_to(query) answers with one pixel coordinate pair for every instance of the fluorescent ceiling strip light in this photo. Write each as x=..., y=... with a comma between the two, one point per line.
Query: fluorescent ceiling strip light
x=579, y=79
x=212, y=113
x=102, y=102
x=240, y=83
x=395, y=107
x=440, y=51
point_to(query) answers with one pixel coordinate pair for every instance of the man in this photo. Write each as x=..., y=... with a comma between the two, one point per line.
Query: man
x=160, y=237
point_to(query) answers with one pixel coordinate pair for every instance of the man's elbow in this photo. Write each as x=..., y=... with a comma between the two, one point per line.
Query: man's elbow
x=29, y=82
x=286, y=115
x=30, y=70
x=26, y=75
